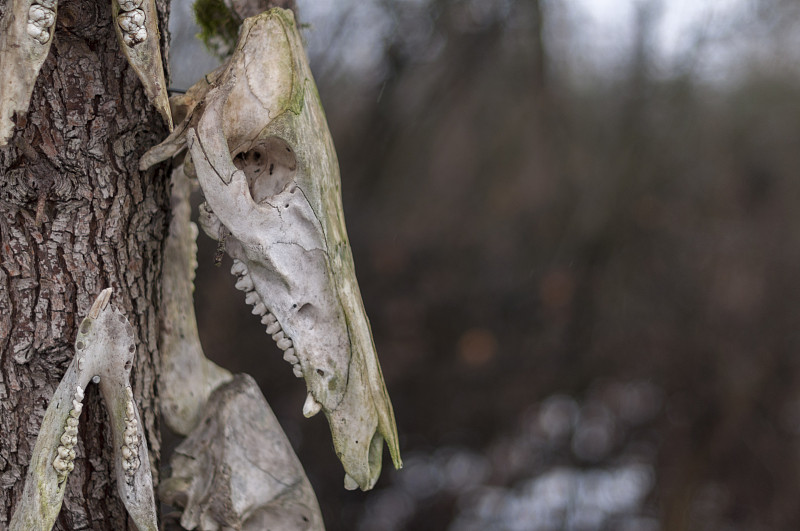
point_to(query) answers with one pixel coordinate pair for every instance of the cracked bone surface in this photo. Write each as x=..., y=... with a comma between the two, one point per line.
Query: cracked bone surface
x=232, y=433
x=239, y=471
x=26, y=32
x=104, y=350
x=260, y=147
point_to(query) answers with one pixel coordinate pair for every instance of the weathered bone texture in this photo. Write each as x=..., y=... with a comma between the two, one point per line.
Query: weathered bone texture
x=137, y=32
x=26, y=32
x=240, y=437
x=260, y=147
x=104, y=350
x=187, y=377
x=238, y=470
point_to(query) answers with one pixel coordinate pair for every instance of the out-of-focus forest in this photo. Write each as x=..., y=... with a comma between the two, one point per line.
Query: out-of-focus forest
x=580, y=258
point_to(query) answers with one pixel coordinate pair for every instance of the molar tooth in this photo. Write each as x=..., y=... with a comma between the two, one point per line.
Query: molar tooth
x=298, y=372
x=268, y=319
x=284, y=343
x=259, y=309
x=42, y=35
x=40, y=16
x=238, y=268
x=131, y=21
x=251, y=297
x=273, y=328
x=349, y=482
x=244, y=283
x=134, y=38
x=311, y=406
x=290, y=356
x=277, y=336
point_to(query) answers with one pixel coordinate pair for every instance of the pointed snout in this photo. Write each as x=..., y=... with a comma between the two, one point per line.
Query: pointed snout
x=356, y=434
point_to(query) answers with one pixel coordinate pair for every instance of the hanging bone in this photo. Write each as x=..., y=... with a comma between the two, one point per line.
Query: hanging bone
x=236, y=469
x=137, y=32
x=26, y=32
x=104, y=351
x=260, y=147
x=186, y=378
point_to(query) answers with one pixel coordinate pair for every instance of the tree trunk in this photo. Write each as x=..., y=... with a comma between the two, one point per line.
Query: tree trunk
x=76, y=216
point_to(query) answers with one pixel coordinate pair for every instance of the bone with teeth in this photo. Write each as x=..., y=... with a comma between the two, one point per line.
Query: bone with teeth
x=245, y=283
x=64, y=461
x=26, y=33
x=137, y=30
x=258, y=138
x=105, y=346
x=199, y=400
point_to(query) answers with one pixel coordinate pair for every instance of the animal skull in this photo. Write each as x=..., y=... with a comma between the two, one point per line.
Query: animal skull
x=260, y=147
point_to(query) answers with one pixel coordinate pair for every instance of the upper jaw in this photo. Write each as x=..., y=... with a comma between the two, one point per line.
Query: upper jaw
x=310, y=324
x=307, y=240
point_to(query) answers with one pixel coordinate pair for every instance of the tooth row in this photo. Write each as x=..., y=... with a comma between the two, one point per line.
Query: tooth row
x=41, y=18
x=131, y=22
x=130, y=450
x=64, y=462
x=245, y=283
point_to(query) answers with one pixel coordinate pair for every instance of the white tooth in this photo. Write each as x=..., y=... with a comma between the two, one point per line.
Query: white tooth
x=290, y=356
x=244, y=284
x=284, y=343
x=251, y=297
x=350, y=483
x=259, y=309
x=273, y=328
x=268, y=319
x=297, y=371
x=311, y=407
x=238, y=268
x=277, y=336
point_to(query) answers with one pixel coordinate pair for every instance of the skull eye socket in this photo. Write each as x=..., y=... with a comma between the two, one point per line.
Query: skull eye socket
x=270, y=164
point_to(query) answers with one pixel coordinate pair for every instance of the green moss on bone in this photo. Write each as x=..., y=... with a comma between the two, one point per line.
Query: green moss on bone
x=219, y=26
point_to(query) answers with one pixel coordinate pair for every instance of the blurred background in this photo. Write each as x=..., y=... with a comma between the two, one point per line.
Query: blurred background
x=576, y=227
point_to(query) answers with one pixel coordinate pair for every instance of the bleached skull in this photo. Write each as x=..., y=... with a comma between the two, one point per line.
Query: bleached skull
x=260, y=147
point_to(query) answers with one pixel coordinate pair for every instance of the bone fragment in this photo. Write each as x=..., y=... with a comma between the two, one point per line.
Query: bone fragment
x=26, y=32
x=262, y=484
x=187, y=377
x=137, y=33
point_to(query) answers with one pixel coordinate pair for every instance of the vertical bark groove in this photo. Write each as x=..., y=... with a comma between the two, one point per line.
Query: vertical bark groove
x=75, y=217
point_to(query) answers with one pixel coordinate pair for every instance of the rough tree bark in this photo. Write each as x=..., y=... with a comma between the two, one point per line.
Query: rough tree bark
x=76, y=216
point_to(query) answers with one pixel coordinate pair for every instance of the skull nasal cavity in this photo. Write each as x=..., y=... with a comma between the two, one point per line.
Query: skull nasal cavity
x=269, y=165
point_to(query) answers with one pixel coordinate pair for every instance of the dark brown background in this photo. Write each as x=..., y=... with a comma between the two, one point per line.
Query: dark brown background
x=525, y=226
